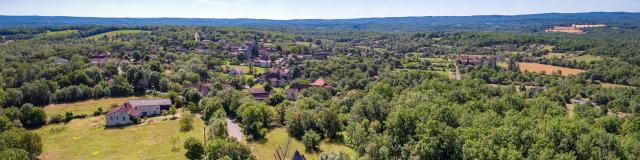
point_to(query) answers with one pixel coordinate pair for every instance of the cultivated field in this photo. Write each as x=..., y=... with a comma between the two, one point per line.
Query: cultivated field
x=567, y=56
x=279, y=137
x=547, y=69
x=88, y=139
x=114, y=33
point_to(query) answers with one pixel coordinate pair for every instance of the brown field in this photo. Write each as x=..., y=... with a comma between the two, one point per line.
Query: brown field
x=548, y=69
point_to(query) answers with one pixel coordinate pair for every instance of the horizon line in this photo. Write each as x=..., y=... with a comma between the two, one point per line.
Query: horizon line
x=239, y=18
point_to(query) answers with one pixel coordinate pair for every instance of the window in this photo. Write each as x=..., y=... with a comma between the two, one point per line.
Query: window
x=110, y=117
x=123, y=118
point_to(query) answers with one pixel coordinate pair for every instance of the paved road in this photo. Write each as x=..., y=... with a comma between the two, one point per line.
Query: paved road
x=234, y=130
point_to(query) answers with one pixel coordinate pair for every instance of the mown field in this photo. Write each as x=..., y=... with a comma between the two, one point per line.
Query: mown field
x=245, y=69
x=547, y=69
x=114, y=33
x=279, y=137
x=61, y=33
x=88, y=139
x=84, y=107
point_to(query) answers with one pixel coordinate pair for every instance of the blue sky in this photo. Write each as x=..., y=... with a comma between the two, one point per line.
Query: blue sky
x=304, y=9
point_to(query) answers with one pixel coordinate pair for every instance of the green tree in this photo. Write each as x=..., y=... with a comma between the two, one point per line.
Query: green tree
x=195, y=149
x=311, y=139
x=186, y=122
x=255, y=118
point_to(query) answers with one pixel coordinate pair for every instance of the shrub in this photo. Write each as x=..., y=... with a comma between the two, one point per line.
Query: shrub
x=55, y=119
x=195, y=149
x=311, y=139
x=68, y=116
x=186, y=122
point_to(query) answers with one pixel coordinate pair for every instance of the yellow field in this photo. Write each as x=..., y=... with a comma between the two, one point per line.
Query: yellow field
x=61, y=33
x=114, y=33
x=88, y=139
x=548, y=69
x=84, y=107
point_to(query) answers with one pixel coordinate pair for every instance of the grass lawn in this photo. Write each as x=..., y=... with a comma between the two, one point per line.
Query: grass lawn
x=88, y=139
x=279, y=136
x=114, y=33
x=84, y=107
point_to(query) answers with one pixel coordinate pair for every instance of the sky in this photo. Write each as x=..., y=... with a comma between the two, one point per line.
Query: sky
x=305, y=9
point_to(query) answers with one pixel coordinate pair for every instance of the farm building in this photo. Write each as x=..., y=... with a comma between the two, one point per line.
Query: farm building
x=137, y=108
x=475, y=59
x=259, y=93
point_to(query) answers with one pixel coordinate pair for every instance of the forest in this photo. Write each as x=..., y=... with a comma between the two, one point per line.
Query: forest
x=388, y=95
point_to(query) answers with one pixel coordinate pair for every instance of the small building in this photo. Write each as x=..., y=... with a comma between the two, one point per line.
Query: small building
x=259, y=93
x=294, y=90
x=204, y=89
x=475, y=59
x=235, y=71
x=137, y=108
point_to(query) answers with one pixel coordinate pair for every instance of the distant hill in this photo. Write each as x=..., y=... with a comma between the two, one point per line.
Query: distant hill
x=517, y=23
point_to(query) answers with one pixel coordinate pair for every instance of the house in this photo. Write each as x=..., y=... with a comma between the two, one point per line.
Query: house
x=133, y=109
x=204, y=89
x=101, y=59
x=235, y=71
x=277, y=76
x=295, y=89
x=259, y=93
x=533, y=91
x=475, y=59
x=262, y=63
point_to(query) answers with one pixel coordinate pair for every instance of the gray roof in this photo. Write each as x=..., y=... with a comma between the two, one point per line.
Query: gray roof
x=149, y=102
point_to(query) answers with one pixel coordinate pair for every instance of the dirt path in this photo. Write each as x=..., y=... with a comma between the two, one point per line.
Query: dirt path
x=234, y=130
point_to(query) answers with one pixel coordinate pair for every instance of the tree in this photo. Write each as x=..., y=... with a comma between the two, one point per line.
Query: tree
x=192, y=96
x=217, y=128
x=300, y=121
x=328, y=122
x=37, y=92
x=275, y=99
x=31, y=116
x=186, y=122
x=228, y=148
x=209, y=106
x=311, y=139
x=195, y=149
x=121, y=87
x=255, y=117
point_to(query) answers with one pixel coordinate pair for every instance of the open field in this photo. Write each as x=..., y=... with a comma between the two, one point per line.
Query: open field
x=245, y=69
x=114, y=33
x=586, y=58
x=279, y=137
x=570, y=57
x=84, y=107
x=61, y=33
x=548, y=69
x=88, y=139
x=611, y=85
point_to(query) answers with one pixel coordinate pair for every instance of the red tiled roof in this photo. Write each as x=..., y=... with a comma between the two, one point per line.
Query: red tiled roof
x=319, y=82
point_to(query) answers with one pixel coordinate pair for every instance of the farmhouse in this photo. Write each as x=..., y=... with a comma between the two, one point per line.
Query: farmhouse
x=137, y=108
x=259, y=93
x=475, y=59
x=100, y=59
x=295, y=89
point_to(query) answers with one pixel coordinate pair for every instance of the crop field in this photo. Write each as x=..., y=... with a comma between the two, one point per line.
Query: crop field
x=114, y=33
x=278, y=137
x=84, y=107
x=88, y=139
x=547, y=69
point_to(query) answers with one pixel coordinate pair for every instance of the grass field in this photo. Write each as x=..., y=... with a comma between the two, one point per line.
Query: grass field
x=548, y=69
x=84, y=107
x=87, y=139
x=279, y=137
x=114, y=33
x=245, y=69
x=61, y=33
x=586, y=58
x=556, y=55
x=611, y=85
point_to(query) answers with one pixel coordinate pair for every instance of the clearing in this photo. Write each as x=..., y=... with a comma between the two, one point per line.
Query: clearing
x=114, y=33
x=84, y=107
x=88, y=139
x=548, y=69
x=61, y=33
x=279, y=137
x=245, y=69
